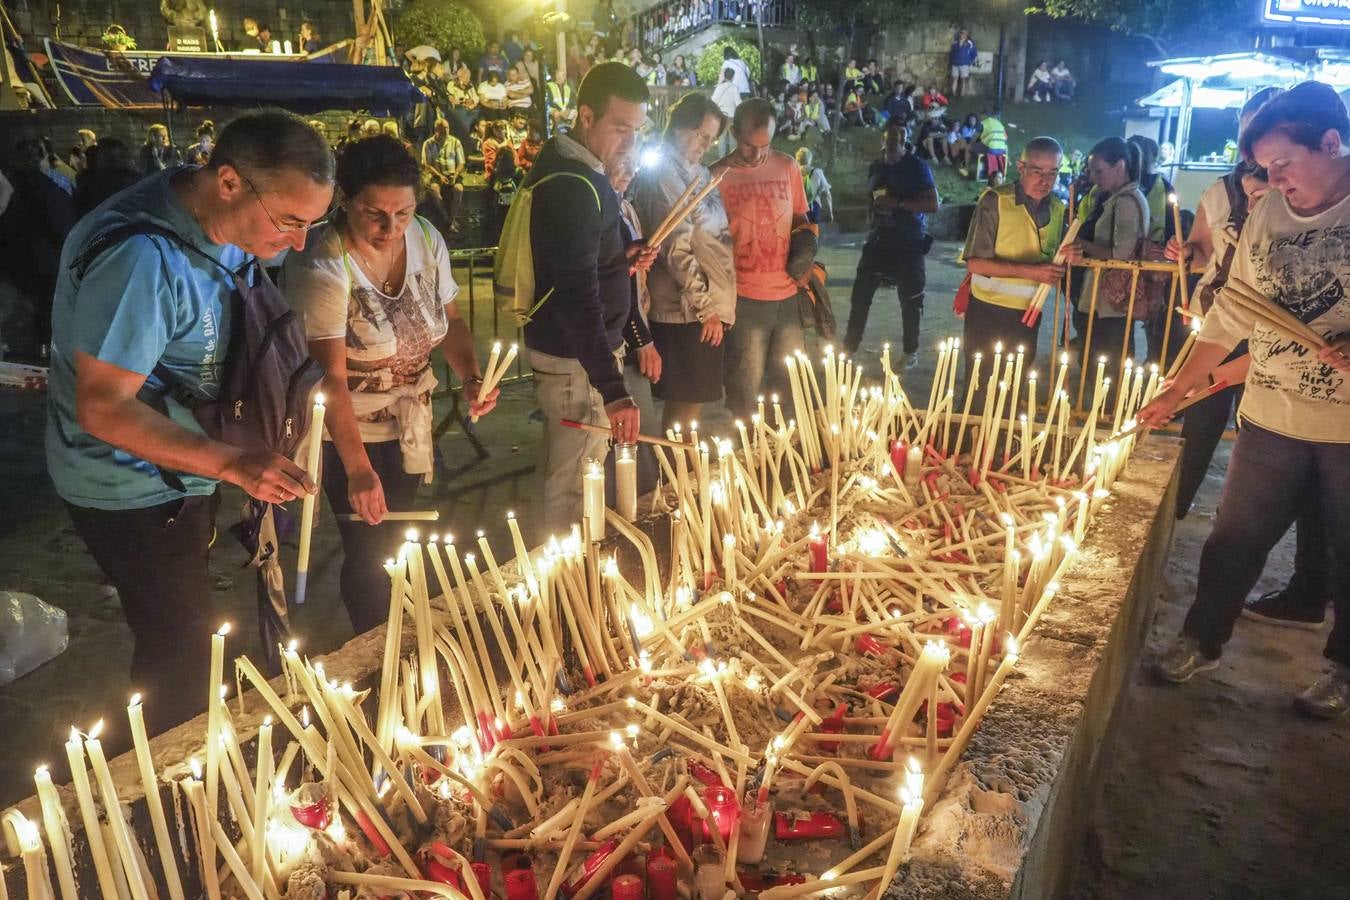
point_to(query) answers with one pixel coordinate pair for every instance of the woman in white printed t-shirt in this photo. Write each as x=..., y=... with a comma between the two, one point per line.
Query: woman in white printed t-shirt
x=377, y=297
x=1211, y=245
x=1293, y=446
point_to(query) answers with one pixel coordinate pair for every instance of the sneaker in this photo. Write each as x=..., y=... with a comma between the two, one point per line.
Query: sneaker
x=1182, y=661
x=1285, y=609
x=911, y=360
x=1329, y=696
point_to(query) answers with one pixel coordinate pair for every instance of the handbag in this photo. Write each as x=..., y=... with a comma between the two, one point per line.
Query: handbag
x=1150, y=290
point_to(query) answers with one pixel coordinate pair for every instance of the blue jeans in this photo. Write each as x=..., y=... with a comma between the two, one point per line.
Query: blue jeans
x=1272, y=479
x=764, y=333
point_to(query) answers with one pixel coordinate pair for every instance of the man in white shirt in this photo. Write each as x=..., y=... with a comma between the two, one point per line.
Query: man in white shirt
x=727, y=97
x=492, y=95
x=741, y=72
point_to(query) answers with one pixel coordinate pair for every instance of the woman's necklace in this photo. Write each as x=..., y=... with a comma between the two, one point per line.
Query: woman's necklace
x=386, y=284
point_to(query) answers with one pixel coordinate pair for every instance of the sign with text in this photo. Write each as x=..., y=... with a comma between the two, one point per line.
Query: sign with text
x=1323, y=13
x=188, y=40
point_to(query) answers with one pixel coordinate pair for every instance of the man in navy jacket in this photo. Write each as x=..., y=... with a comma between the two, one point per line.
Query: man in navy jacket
x=575, y=341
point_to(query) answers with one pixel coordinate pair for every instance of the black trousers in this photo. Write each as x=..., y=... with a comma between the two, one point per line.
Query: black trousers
x=1272, y=481
x=156, y=557
x=1202, y=428
x=364, y=583
x=985, y=326
x=910, y=278
x=1108, y=335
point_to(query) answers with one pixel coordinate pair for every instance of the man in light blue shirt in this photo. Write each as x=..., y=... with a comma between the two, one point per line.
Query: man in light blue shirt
x=138, y=474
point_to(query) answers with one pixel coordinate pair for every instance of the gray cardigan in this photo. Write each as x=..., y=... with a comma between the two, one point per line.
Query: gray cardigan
x=1124, y=220
x=695, y=274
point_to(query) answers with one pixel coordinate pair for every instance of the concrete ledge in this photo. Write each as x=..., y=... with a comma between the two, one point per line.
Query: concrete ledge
x=1013, y=819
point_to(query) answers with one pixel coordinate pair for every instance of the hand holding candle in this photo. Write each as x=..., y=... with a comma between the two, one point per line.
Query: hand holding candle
x=313, y=453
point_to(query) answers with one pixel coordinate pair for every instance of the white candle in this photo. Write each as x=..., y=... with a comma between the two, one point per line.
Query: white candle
x=313, y=455
x=729, y=559
x=214, y=708
x=153, y=802
x=593, y=498
x=913, y=465
x=206, y=843
x=625, y=481
x=911, y=795
x=262, y=793
x=93, y=833
x=107, y=788
x=58, y=832
x=37, y=881
x=973, y=715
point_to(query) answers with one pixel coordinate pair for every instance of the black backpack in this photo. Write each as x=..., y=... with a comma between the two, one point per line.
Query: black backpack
x=264, y=399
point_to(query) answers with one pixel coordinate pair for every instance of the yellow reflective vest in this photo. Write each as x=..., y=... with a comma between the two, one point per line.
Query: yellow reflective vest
x=1018, y=240
x=994, y=135
x=559, y=96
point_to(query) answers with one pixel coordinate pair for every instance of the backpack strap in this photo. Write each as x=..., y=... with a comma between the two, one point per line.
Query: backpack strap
x=106, y=240
x=599, y=207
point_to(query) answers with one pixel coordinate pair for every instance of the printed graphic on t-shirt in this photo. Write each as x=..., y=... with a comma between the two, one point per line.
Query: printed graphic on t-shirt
x=762, y=247
x=1305, y=273
x=389, y=339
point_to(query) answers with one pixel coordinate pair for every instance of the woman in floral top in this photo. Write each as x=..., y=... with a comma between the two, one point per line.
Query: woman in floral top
x=377, y=296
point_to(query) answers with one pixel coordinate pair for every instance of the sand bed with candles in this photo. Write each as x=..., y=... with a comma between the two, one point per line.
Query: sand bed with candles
x=777, y=702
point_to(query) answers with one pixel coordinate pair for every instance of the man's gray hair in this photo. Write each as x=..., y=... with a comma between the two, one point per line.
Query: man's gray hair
x=261, y=143
x=1039, y=146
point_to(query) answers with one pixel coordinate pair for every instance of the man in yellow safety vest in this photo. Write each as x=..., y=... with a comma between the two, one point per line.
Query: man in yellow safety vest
x=561, y=113
x=994, y=139
x=1010, y=251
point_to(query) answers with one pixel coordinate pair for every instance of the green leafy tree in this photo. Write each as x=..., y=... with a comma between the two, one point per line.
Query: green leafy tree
x=709, y=65
x=1171, y=26
x=441, y=24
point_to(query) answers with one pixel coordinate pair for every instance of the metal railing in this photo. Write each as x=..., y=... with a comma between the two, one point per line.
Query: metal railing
x=662, y=98
x=472, y=267
x=672, y=21
x=1062, y=340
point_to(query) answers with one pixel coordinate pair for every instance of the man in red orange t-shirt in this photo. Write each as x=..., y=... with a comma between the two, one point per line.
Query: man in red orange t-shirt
x=764, y=199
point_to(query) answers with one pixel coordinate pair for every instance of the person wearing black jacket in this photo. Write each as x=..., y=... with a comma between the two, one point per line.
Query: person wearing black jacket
x=575, y=340
x=903, y=194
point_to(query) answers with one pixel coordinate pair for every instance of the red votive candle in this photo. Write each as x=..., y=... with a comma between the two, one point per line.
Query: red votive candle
x=483, y=872
x=803, y=828
x=315, y=815
x=626, y=887
x=725, y=810
x=820, y=554
x=661, y=878
x=520, y=883
x=587, y=869
x=898, y=451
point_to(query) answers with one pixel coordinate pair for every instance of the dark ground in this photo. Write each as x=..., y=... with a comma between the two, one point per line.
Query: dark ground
x=1216, y=789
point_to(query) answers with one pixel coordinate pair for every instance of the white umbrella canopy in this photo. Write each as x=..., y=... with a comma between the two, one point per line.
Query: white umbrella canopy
x=424, y=51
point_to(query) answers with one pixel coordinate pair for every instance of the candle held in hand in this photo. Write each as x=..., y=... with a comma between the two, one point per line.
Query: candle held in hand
x=313, y=454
